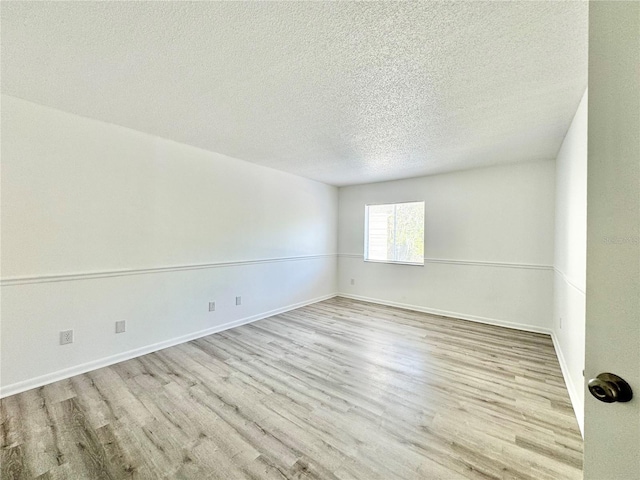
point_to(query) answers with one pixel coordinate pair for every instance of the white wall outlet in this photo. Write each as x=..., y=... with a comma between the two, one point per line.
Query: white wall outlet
x=66, y=336
x=121, y=326
x=353, y=281
x=212, y=306
x=238, y=300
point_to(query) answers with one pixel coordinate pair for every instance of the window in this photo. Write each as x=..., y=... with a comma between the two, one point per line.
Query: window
x=394, y=233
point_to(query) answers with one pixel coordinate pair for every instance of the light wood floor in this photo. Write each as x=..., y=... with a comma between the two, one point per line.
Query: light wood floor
x=338, y=389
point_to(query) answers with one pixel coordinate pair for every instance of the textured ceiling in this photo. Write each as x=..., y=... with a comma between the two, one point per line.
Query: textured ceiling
x=341, y=92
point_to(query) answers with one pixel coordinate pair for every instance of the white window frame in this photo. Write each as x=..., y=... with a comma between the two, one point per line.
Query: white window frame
x=366, y=234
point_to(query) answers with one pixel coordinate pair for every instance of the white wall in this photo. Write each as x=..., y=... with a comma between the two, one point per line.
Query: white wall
x=488, y=245
x=102, y=223
x=571, y=256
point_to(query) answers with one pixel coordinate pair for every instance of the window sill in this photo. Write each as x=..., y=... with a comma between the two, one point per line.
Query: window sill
x=392, y=262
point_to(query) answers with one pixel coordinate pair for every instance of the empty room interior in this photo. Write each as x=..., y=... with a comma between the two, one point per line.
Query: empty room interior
x=320, y=240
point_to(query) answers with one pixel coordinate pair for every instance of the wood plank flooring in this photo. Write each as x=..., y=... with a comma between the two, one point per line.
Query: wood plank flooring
x=336, y=390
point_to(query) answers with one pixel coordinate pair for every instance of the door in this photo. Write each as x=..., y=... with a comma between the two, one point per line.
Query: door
x=612, y=430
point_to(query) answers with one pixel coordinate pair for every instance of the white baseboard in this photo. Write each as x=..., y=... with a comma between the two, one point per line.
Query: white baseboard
x=578, y=408
x=25, y=385
x=446, y=313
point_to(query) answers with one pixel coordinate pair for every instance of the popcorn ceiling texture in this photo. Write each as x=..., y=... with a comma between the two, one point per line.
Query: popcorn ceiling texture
x=340, y=92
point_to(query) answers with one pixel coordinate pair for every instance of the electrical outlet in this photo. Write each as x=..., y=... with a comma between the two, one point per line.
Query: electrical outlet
x=560, y=323
x=66, y=336
x=238, y=300
x=353, y=281
x=121, y=326
x=212, y=306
